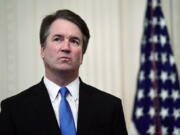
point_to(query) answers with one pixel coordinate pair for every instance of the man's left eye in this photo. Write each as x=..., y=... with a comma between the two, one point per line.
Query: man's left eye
x=75, y=42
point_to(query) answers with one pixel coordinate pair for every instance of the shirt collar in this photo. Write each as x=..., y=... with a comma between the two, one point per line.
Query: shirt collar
x=53, y=89
x=73, y=88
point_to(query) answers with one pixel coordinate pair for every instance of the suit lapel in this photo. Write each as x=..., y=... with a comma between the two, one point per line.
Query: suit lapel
x=44, y=111
x=84, y=106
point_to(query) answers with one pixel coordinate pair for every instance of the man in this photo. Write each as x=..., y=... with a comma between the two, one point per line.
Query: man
x=43, y=109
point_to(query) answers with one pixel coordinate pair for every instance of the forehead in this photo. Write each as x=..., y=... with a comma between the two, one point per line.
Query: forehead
x=65, y=27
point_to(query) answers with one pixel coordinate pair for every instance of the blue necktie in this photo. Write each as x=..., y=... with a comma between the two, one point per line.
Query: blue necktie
x=67, y=125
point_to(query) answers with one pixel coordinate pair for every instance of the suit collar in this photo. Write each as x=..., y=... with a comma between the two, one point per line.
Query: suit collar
x=44, y=110
x=83, y=113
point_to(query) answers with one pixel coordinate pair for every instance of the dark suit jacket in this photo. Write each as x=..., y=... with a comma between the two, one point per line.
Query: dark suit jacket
x=31, y=113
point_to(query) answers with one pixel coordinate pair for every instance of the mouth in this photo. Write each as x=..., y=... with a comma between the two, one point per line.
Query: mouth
x=64, y=59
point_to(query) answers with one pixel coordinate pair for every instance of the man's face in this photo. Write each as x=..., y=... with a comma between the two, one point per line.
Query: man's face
x=63, y=49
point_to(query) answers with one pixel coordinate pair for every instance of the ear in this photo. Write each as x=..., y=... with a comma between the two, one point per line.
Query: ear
x=42, y=52
x=82, y=58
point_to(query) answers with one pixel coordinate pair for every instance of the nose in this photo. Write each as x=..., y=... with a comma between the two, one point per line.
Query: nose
x=65, y=47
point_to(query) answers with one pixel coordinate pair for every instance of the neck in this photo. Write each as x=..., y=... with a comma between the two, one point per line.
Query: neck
x=61, y=78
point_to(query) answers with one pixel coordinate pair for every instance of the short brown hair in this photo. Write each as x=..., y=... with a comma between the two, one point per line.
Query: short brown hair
x=67, y=15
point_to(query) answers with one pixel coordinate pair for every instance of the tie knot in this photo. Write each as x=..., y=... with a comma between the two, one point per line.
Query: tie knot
x=64, y=91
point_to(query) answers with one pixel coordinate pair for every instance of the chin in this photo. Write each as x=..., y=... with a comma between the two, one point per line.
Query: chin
x=65, y=69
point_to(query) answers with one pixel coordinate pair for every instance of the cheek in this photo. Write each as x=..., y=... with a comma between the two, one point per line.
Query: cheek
x=77, y=56
x=49, y=56
x=50, y=51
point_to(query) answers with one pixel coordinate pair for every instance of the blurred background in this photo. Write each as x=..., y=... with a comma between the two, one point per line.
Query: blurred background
x=111, y=62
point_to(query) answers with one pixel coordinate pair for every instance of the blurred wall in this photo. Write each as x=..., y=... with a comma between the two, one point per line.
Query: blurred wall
x=112, y=59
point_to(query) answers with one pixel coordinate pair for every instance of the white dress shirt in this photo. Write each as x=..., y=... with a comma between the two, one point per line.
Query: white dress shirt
x=72, y=97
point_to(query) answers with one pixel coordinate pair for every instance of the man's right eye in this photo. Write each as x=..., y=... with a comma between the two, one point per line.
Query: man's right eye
x=58, y=39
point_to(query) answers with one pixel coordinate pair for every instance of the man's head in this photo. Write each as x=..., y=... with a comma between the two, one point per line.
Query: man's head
x=64, y=38
x=66, y=15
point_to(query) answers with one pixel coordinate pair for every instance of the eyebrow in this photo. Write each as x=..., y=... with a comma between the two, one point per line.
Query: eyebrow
x=70, y=37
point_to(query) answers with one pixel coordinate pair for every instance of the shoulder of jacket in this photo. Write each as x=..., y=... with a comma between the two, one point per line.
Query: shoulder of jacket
x=100, y=93
x=20, y=97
